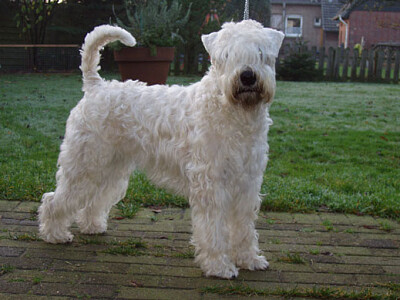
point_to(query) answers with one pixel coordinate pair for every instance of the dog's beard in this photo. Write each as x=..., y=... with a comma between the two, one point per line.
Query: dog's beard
x=249, y=97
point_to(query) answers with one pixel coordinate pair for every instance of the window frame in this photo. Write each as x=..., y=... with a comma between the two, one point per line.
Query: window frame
x=300, y=17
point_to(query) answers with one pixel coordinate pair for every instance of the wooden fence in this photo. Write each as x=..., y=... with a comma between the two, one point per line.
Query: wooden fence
x=41, y=58
x=334, y=64
x=339, y=64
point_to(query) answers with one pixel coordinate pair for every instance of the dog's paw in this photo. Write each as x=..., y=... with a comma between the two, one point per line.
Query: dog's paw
x=227, y=272
x=222, y=268
x=59, y=238
x=255, y=263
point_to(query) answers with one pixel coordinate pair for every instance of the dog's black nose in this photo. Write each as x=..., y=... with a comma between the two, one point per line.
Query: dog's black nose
x=248, y=78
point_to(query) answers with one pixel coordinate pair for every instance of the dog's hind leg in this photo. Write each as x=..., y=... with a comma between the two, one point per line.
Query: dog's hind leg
x=58, y=209
x=92, y=219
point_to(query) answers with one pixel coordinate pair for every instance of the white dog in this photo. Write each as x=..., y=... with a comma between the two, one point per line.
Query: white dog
x=207, y=142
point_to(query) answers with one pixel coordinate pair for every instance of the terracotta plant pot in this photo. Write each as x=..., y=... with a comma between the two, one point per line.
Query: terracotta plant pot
x=137, y=63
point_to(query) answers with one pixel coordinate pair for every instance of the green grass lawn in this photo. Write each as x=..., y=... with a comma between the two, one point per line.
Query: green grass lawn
x=333, y=146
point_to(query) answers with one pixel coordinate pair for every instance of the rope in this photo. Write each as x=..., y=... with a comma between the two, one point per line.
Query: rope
x=246, y=10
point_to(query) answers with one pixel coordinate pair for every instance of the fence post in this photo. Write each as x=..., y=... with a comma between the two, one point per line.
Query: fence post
x=363, y=64
x=354, y=65
x=396, y=67
x=331, y=57
x=388, y=66
x=336, y=64
x=345, y=64
x=321, y=60
x=371, y=63
x=314, y=52
x=379, y=65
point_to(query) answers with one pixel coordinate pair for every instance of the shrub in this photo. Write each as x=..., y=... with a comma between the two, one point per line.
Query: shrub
x=299, y=65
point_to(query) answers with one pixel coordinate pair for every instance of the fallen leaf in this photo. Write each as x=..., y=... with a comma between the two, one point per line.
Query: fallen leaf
x=136, y=283
x=370, y=226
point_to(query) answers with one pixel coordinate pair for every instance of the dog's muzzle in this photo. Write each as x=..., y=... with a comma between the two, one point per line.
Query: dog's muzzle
x=248, y=91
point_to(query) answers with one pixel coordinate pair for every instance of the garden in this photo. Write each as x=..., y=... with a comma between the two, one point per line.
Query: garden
x=333, y=146
x=329, y=222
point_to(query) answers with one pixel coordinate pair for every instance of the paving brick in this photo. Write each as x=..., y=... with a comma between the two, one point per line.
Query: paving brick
x=75, y=290
x=121, y=279
x=319, y=278
x=286, y=267
x=11, y=251
x=367, y=279
x=154, y=293
x=393, y=270
x=188, y=283
x=372, y=260
x=336, y=219
x=6, y=205
x=362, y=220
x=277, y=216
x=393, y=225
x=14, y=287
x=28, y=207
x=307, y=218
x=165, y=271
x=347, y=268
x=85, y=266
x=380, y=243
x=27, y=263
x=4, y=296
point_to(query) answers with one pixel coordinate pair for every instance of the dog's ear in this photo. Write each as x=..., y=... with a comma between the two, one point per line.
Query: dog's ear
x=275, y=39
x=208, y=41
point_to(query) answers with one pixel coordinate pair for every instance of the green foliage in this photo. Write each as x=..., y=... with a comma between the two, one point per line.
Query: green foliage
x=299, y=65
x=290, y=258
x=32, y=18
x=4, y=269
x=154, y=23
x=128, y=209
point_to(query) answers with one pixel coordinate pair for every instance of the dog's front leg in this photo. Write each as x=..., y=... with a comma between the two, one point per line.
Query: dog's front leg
x=211, y=235
x=244, y=237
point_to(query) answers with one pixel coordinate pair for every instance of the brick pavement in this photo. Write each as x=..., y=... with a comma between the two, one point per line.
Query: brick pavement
x=149, y=257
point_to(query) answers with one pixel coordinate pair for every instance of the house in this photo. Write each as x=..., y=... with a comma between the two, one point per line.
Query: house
x=330, y=27
x=369, y=23
x=309, y=20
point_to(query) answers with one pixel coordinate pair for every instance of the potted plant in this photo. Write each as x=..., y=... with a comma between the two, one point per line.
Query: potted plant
x=155, y=26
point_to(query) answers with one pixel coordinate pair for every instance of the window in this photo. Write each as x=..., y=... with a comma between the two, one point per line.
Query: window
x=293, y=26
x=317, y=22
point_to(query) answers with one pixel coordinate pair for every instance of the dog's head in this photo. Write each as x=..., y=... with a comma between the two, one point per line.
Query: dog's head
x=243, y=61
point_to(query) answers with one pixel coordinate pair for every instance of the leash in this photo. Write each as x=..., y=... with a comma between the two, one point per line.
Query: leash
x=246, y=10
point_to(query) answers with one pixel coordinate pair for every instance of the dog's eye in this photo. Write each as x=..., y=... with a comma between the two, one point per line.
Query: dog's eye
x=261, y=54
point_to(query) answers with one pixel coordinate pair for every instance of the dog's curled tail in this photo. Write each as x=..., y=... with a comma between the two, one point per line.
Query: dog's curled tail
x=90, y=52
